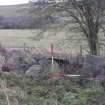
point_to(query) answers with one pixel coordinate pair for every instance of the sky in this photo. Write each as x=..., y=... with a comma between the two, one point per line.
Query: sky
x=12, y=2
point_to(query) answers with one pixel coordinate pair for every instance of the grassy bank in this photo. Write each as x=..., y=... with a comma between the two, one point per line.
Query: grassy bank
x=24, y=91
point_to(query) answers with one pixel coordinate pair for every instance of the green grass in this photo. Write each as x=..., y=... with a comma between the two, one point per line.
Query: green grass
x=42, y=38
x=24, y=91
x=61, y=40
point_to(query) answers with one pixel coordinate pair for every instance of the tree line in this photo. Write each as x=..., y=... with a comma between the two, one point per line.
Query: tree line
x=22, y=22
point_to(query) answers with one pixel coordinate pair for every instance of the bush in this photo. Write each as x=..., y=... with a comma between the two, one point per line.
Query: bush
x=29, y=92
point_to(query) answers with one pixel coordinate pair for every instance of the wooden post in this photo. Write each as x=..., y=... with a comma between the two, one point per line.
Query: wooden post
x=81, y=50
x=52, y=57
x=24, y=46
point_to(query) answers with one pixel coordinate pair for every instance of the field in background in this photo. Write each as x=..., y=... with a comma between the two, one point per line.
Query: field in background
x=41, y=39
x=15, y=10
x=69, y=42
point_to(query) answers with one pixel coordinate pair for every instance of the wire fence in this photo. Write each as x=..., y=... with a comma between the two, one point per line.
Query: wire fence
x=69, y=64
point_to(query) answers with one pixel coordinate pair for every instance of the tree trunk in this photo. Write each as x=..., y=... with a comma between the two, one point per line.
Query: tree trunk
x=94, y=45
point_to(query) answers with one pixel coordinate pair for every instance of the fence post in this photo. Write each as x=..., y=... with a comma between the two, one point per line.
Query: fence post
x=24, y=46
x=52, y=57
x=81, y=52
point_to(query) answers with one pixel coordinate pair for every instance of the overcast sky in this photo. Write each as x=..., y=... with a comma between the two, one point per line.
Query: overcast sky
x=12, y=2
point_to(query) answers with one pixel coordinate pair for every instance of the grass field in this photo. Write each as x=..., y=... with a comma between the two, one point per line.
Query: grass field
x=64, y=41
x=41, y=39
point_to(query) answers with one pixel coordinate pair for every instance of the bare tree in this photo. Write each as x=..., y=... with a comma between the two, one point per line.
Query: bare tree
x=89, y=15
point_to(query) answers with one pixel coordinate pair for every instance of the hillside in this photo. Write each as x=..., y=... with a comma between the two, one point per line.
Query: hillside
x=14, y=10
x=29, y=75
x=40, y=37
x=43, y=30
x=25, y=16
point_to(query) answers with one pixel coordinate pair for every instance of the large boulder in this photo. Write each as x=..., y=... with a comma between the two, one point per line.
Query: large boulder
x=34, y=72
x=94, y=65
